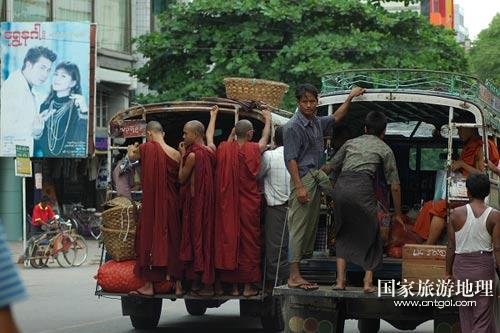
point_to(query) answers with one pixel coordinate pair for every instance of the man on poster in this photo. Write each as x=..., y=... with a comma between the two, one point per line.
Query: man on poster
x=19, y=105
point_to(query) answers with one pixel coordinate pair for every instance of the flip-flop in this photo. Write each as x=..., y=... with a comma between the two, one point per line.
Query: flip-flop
x=256, y=294
x=370, y=290
x=336, y=288
x=305, y=286
x=137, y=293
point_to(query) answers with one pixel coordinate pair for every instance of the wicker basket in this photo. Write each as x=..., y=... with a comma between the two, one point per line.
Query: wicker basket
x=120, y=217
x=269, y=92
x=119, y=244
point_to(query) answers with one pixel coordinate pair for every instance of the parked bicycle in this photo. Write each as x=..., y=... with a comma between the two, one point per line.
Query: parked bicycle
x=86, y=221
x=58, y=242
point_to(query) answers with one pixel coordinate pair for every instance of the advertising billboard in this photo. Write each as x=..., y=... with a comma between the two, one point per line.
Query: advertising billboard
x=45, y=88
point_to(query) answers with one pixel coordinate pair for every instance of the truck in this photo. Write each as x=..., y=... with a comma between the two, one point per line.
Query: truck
x=127, y=127
x=420, y=106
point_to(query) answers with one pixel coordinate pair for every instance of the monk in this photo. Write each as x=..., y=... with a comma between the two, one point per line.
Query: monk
x=237, y=219
x=158, y=232
x=431, y=221
x=197, y=178
x=472, y=157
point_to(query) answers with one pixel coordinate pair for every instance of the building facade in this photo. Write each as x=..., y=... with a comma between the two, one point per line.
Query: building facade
x=439, y=12
x=71, y=180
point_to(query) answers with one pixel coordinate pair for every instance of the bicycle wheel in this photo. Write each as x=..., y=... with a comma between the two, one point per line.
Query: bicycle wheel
x=38, y=259
x=67, y=253
x=95, y=229
x=78, y=252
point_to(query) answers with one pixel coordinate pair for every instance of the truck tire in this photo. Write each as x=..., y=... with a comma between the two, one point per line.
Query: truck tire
x=406, y=325
x=195, y=307
x=148, y=319
x=368, y=325
x=272, y=316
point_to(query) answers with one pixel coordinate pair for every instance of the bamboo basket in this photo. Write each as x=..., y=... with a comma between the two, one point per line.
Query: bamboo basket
x=120, y=217
x=119, y=244
x=269, y=92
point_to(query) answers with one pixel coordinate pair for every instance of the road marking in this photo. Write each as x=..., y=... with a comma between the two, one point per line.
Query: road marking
x=81, y=325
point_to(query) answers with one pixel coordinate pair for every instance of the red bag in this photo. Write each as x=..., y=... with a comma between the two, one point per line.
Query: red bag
x=119, y=277
x=399, y=237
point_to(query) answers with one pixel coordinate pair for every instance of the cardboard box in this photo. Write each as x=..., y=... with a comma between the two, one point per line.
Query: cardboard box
x=422, y=262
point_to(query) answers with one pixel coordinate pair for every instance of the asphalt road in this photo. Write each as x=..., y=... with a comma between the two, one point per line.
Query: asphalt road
x=62, y=300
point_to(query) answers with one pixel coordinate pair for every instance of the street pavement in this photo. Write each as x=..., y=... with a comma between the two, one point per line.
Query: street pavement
x=62, y=300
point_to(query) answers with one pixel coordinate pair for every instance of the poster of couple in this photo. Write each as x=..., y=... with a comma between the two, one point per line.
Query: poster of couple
x=45, y=88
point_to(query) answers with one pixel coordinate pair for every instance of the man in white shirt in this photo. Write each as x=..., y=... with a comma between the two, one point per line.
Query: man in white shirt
x=18, y=105
x=276, y=180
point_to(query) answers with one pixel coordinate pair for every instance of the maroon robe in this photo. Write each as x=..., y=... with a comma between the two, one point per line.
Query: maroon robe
x=198, y=215
x=158, y=233
x=237, y=220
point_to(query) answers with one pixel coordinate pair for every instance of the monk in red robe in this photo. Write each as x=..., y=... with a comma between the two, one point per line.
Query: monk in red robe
x=472, y=156
x=197, y=178
x=237, y=219
x=158, y=232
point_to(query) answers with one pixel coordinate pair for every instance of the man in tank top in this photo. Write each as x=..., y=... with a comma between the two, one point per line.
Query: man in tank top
x=473, y=246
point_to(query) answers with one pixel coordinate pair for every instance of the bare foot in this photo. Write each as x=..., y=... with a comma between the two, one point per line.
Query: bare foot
x=196, y=286
x=235, y=291
x=219, y=291
x=179, y=292
x=368, y=287
x=207, y=291
x=339, y=285
x=144, y=291
x=250, y=290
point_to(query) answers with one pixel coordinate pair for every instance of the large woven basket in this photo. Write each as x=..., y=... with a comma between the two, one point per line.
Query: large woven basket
x=119, y=244
x=120, y=217
x=269, y=92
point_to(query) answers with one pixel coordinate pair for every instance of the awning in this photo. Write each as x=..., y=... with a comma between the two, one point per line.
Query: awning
x=113, y=76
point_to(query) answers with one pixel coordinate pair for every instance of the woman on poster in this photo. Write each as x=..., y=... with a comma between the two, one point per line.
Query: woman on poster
x=61, y=128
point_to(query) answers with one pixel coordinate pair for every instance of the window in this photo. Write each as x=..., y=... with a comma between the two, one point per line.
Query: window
x=101, y=109
x=157, y=7
x=3, y=11
x=31, y=10
x=431, y=159
x=425, y=130
x=113, y=19
x=73, y=10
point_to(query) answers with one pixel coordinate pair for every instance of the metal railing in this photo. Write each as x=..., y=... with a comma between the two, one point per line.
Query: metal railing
x=454, y=84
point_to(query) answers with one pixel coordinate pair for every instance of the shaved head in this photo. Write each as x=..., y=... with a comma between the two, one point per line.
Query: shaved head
x=242, y=127
x=196, y=126
x=154, y=126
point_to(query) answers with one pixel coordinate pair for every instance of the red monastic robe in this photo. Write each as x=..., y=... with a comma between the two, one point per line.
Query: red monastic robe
x=198, y=216
x=237, y=219
x=158, y=233
x=471, y=149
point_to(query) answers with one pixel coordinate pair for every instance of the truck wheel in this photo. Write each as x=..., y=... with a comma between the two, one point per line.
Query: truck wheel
x=406, y=325
x=195, y=307
x=368, y=325
x=272, y=317
x=149, y=319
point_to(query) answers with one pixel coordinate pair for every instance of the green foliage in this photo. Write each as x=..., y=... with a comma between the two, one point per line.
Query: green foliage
x=485, y=52
x=292, y=41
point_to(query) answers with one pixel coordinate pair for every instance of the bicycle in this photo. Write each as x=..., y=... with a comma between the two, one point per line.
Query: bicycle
x=57, y=242
x=86, y=220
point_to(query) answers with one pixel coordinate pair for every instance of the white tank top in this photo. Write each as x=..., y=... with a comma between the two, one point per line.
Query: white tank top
x=474, y=236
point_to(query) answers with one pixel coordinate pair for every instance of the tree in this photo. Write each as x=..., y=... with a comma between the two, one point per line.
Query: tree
x=297, y=41
x=485, y=52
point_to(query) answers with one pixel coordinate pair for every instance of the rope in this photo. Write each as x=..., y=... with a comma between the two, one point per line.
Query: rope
x=281, y=247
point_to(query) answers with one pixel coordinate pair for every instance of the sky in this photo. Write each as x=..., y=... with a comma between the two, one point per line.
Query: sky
x=478, y=14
